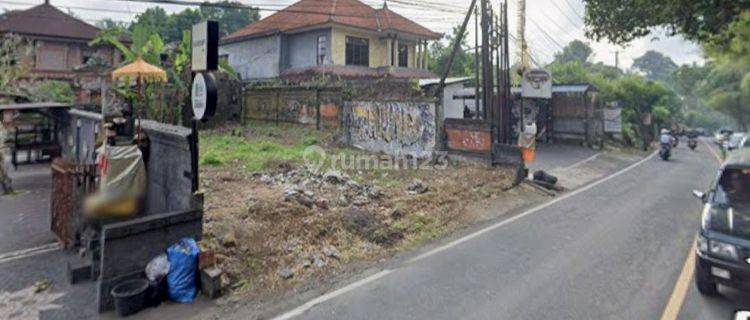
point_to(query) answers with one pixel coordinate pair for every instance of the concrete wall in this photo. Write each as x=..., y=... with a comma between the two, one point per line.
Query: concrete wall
x=302, y=49
x=395, y=128
x=468, y=135
x=169, y=168
x=293, y=104
x=257, y=58
x=127, y=247
x=454, y=108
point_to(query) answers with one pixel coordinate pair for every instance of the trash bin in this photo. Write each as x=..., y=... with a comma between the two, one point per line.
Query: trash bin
x=130, y=296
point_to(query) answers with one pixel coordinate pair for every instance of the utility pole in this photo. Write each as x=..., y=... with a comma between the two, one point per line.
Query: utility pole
x=617, y=59
x=476, y=62
x=523, y=53
x=486, y=61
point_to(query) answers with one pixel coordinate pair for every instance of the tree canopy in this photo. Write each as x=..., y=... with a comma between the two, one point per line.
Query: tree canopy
x=655, y=66
x=463, y=63
x=576, y=50
x=230, y=15
x=621, y=21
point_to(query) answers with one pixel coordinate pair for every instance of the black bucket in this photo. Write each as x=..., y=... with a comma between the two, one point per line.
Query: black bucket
x=130, y=296
x=156, y=293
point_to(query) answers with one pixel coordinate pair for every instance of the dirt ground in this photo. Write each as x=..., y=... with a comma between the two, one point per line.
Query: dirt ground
x=286, y=223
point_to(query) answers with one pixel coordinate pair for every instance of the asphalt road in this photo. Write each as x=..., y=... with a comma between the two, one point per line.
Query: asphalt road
x=24, y=216
x=611, y=251
x=557, y=156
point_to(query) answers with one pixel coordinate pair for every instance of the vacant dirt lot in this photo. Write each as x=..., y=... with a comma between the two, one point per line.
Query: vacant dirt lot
x=276, y=223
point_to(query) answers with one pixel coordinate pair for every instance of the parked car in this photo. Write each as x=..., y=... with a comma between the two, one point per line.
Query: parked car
x=735, y=140
x=721, y=136
x=723, y=255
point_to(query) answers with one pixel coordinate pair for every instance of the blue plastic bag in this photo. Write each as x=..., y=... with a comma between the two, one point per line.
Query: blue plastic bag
x=183, y=268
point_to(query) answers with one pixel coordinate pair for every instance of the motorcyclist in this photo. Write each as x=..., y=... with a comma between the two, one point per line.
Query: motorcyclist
x=666, y=139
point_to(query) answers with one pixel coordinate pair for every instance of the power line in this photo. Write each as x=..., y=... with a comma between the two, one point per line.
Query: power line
x=547, y=35
x=558, y=26
x=572, y=8
x=577, y=25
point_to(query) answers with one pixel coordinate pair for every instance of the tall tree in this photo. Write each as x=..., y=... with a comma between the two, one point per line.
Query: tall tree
x=655, y=66
x=622, y=21
x=231, y=15
x=153, y=20
x=463, y=63
x=576, y=50
x=180, y=22
x=725, y=93
x=15, y=61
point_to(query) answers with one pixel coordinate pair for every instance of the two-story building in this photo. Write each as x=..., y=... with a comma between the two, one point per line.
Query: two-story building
x=61, y=48
x=346, y=38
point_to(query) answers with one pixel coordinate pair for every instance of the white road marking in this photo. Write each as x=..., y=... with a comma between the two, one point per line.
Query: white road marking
x=712, y=151
x=301, y=309
x=30, y=252
x=333, y=294
x=583, y=161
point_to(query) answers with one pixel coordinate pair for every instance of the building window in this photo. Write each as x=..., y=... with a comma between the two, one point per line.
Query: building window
x=357, y=52
x=322, y=48
x=403, y=55
x=51, y=57
x=87, y=55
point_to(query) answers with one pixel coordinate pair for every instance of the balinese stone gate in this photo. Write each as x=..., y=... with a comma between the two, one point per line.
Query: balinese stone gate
x=396, y=128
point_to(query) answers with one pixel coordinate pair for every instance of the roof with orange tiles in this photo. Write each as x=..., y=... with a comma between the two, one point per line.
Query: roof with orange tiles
x=353, y=13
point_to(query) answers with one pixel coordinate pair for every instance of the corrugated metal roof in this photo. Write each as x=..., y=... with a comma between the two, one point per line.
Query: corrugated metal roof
x=434, y=81
x=564, y=88
x=33, y=105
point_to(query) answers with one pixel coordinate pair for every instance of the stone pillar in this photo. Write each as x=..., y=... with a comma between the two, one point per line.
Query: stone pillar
x=424, y=55
x=389, y=46
x=418, y=54
x=396, y=53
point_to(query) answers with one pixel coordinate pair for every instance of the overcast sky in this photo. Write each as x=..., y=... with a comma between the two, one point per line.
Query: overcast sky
x=550, y=25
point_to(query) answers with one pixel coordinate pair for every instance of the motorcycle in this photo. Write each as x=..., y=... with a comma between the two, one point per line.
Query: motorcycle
x=692, y=143
x=665, y=152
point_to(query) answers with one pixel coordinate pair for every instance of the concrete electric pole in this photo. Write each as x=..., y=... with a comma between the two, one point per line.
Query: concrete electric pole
x=523, y=48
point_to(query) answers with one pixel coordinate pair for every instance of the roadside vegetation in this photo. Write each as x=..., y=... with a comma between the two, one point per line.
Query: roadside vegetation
x=713, y=95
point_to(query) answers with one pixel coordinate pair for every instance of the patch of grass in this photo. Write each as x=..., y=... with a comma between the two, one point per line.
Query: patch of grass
x=252, y=154
x=211, y=159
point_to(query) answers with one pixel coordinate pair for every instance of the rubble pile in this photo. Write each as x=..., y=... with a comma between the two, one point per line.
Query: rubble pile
x=277, y=228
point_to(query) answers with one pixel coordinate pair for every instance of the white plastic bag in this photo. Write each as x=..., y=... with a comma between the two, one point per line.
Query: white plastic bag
x=157, y=268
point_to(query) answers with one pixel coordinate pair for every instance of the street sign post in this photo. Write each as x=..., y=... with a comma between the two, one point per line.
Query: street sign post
x=203, y=95
x=203, y=91
x=536, y=83
x=205, y=43
x=612, y=120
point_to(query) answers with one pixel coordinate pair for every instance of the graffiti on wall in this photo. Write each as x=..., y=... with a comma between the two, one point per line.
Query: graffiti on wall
x=396, y=128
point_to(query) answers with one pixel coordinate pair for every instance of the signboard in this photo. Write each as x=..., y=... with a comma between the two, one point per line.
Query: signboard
x=536, y=83
x=203, y=96
x=613, y=120
x=205, y=44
